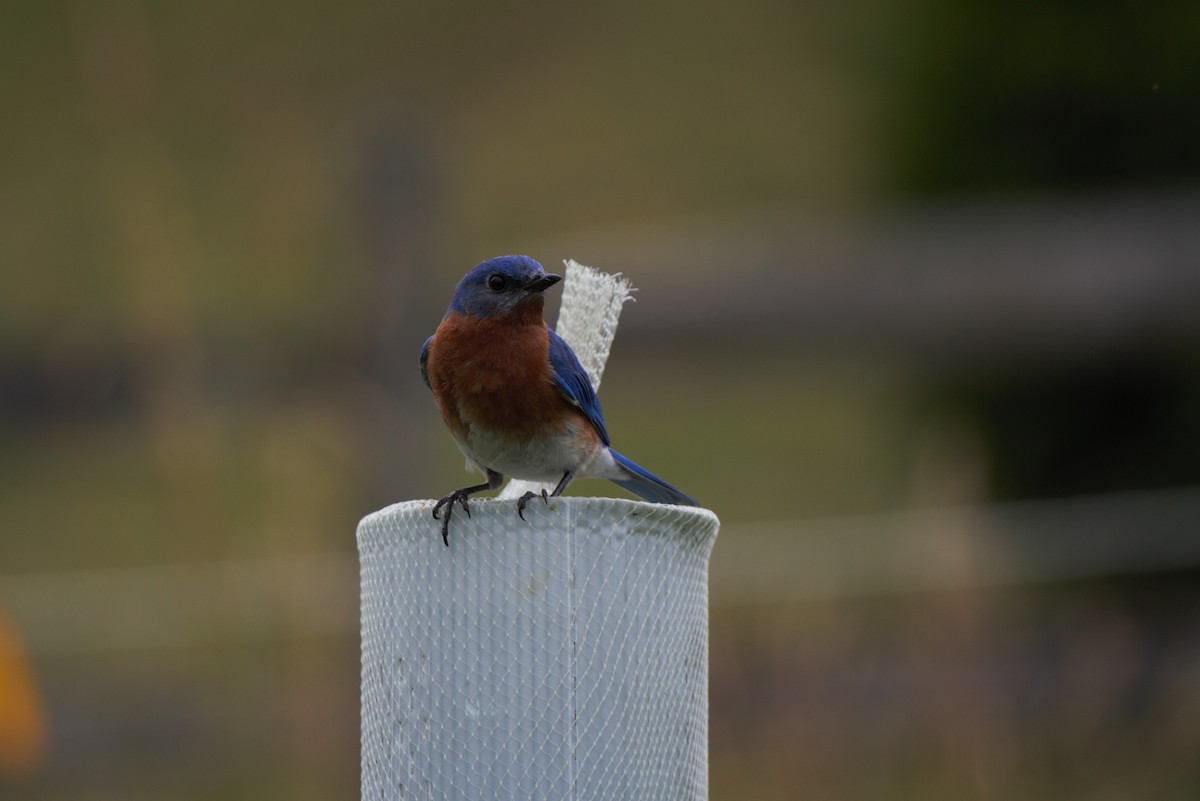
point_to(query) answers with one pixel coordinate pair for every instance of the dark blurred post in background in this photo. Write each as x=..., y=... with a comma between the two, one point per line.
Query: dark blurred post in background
x=399, y=210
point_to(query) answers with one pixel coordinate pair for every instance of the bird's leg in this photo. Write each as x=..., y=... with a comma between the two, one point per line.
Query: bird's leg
x=528, y=496
x=562, y=484
x=459, y=496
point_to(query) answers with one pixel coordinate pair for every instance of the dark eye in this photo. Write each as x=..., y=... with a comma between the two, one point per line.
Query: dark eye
x=496, y=281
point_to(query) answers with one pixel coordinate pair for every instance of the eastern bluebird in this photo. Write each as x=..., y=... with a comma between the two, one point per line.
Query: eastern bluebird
x=514, y=395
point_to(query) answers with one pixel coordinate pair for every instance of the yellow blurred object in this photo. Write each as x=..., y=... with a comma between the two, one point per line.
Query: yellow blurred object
x=23, y=727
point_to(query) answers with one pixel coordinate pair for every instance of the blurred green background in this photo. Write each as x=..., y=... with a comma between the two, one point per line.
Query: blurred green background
x=919, y=318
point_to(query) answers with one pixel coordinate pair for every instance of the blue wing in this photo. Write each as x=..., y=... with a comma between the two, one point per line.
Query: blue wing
x=573, y=382
x=424, y=359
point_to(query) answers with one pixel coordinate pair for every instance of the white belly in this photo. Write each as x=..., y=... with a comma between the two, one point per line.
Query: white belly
x=543, y=458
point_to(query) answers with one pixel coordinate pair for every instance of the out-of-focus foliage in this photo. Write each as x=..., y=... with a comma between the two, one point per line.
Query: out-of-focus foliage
x=1053, y=97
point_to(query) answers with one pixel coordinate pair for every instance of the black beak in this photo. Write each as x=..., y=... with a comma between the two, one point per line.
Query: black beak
x=542, y=284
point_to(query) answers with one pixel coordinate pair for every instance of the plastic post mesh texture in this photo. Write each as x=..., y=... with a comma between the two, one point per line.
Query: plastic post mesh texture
x=560, y=657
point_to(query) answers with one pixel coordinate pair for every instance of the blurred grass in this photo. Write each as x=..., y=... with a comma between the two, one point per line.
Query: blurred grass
x=762, y=436
x=216, y=486
x=1039, y=695
x=239, y=129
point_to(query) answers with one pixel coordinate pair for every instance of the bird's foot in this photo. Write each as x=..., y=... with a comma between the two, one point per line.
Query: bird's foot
x=526, y=498
x=459, y=496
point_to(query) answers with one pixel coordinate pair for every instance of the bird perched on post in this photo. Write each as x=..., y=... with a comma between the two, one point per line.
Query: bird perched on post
x=514, y=395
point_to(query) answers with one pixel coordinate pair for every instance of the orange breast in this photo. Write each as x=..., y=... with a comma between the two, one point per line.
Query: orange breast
x=494, y=375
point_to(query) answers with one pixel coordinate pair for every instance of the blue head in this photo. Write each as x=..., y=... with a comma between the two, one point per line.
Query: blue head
x=497, y=286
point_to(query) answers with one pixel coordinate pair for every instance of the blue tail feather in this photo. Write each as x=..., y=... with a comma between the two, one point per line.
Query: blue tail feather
x=648, y=486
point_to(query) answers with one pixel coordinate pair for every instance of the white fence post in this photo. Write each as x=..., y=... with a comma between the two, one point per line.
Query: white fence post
x=562, y=657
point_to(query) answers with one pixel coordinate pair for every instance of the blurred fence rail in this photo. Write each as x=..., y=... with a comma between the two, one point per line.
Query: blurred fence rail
x=981, y=547
x=1032, y=278
x=159, y=606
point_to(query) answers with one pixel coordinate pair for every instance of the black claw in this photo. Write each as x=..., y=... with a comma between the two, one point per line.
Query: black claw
x=446, y=518
x=459, y=496
x=526, y=498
